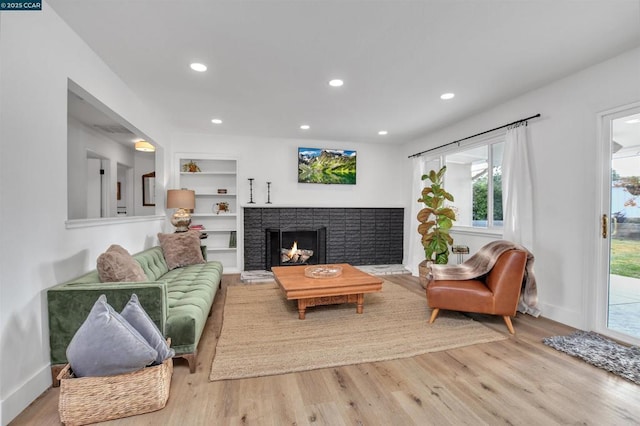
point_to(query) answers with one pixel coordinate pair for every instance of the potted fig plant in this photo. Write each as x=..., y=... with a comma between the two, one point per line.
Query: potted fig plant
x=436, y=219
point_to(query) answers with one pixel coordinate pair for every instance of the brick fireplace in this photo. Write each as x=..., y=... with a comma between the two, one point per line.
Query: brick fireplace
x=359, y=236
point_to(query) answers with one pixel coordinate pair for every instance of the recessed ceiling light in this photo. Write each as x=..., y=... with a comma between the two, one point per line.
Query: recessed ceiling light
x=216, y=121
x=336, y=82
x=446, y=96
x=383, y=132
x=305, y=127
x=634, y=121
x=198, y=67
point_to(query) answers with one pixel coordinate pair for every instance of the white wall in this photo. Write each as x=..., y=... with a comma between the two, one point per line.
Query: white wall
x=564, y=150
x=378, y=176
x=38, y=54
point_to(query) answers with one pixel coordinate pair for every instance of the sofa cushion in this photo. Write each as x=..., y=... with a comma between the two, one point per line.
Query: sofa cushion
x=135, y=315
x=106, y=344
x=191, y=291
x=181, y=249
x=117, y=265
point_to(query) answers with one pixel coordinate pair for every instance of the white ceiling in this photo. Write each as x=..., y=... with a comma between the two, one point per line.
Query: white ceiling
x=269, y=61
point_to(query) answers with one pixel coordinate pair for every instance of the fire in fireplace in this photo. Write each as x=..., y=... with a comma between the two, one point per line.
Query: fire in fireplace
x=288, y=247
x=295, y=255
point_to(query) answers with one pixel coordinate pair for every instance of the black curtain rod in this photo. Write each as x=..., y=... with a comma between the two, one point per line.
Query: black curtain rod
x=473, y=136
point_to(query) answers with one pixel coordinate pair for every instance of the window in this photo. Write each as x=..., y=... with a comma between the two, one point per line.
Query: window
x=474, y=178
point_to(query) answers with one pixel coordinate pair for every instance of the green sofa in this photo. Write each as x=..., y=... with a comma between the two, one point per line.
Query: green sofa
x=178, y=301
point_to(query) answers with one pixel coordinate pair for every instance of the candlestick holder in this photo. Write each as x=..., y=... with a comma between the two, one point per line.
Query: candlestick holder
x=251, y=191
x=268, y=192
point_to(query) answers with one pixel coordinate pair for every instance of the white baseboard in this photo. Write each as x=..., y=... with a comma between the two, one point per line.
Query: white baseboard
x=563, y=315
x=24, y=395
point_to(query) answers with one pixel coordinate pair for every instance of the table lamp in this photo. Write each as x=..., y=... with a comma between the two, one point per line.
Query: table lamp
x=183, y=200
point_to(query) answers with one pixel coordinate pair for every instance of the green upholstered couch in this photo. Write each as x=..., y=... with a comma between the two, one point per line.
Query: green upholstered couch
x=178, y=301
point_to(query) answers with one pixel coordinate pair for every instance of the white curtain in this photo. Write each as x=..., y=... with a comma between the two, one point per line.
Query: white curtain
x=517, y=193
x=416, y=252
x=517, y=199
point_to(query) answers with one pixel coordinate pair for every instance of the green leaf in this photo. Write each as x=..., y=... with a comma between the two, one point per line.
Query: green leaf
x=447, y=212
x=442, y=258
x=445, y=223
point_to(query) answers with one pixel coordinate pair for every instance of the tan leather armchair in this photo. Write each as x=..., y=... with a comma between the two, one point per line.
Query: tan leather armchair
x=497, y=293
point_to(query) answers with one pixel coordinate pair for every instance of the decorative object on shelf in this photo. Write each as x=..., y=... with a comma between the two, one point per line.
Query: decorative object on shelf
x=251, y=191
x=191, y=167
x=183, y=200
x=222, y=207
x=268, y=192
x=323, y=271
x=233, y=239
x=222, y=191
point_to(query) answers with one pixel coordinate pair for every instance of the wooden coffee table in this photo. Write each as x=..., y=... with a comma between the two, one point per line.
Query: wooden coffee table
x=349, y=287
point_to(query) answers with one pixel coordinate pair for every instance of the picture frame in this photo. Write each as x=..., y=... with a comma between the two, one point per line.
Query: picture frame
x=327, y=166
x=149, y=189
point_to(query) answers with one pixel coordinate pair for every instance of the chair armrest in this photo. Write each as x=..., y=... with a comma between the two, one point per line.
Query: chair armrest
x=70, y=304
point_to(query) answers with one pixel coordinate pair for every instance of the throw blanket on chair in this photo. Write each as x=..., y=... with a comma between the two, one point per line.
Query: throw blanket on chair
x=481, y=263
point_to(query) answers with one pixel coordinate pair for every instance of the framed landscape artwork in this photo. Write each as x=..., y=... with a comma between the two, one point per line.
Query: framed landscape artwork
x=328, y=166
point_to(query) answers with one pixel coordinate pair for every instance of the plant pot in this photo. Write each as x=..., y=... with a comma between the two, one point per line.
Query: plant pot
x=424, y=272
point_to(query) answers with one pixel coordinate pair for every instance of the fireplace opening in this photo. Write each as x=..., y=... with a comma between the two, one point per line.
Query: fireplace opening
x=291, y=247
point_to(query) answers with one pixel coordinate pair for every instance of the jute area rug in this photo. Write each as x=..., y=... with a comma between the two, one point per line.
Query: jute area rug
x=262, y=335
x=603, y=353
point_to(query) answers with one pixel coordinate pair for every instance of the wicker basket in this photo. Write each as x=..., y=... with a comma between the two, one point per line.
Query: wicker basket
x=86, y=400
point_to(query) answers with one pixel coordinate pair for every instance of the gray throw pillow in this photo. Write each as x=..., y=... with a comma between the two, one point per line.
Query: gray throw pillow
x=106, y=344
x=135, y=314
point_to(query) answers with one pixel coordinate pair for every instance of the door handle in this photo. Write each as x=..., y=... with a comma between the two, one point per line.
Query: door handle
x=605, y=225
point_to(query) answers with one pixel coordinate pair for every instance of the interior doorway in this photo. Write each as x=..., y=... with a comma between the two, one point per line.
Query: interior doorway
x=619, y=304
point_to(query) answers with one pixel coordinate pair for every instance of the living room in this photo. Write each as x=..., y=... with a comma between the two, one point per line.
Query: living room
x=41, y=53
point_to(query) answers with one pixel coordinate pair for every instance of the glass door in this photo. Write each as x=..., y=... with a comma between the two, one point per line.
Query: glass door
x=621, y=226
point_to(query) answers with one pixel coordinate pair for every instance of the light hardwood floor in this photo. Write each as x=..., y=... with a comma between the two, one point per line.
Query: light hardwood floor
x=518, y=381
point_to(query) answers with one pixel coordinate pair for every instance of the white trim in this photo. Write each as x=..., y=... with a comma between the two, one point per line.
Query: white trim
x=104, y=221
x=480, y=232
x=28, y=391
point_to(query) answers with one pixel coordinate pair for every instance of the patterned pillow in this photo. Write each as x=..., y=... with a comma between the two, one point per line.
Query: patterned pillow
x=106, y=344
x=117, y=265
x=135, y=314
x=181, y=249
